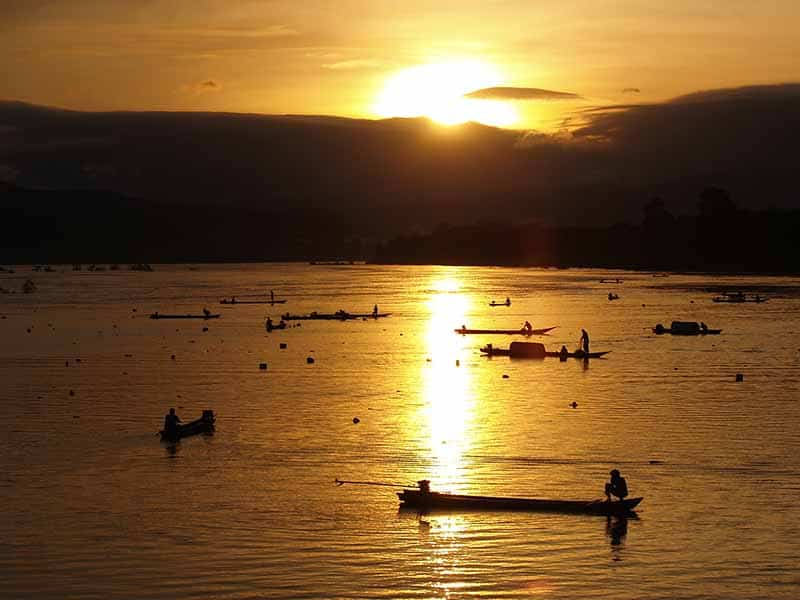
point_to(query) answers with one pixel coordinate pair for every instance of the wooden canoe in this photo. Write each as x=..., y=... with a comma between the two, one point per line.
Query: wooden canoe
x=333, y=316
x=534, y=350
x=234, y=301
x=442, y=501
x=204, y=317
x=525, y=332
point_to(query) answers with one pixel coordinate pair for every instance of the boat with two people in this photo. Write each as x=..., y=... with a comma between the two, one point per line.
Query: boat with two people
x=537, y=350
x=422, y=499
x=174, y=431
x=506, y=303
x=612, y=296
x=270, y=326
x=339, y=315
x=686, y=328
x=205, y=316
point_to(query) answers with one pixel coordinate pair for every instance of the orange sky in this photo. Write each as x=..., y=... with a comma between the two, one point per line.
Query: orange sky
x=371, y=59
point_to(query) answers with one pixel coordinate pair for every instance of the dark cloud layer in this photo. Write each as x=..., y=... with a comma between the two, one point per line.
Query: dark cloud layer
x=520, y=93
x=386, y=176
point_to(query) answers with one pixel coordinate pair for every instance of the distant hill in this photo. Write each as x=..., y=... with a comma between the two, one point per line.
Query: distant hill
x=380, y=179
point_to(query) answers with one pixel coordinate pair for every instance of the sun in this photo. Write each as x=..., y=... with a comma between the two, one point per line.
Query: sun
x=436, y=90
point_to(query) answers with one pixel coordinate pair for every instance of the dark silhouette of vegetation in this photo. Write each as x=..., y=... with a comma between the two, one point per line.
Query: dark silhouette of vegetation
x=719, y=238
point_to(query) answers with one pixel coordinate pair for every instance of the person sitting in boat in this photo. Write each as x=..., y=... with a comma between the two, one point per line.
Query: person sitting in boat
x=269, y=324
x=585, y=341
x=206, y=312
x=424, y=486
x=527, y=327
x=563, y=352
x=171, y=421
x=703, y=327
x=617, y=486
x=508, y=301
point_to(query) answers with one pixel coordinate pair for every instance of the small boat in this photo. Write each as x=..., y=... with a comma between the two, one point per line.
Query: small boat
x=536, y=350
x=426, y=500
x=613, y=296
x=270, y=326
x=205, y=424
x=506, y=303
x=685, y=328
x=157, y=315
x=235, y=301
x=337, y=316
x=521, y=331
x=615, y=280
x=738, y=298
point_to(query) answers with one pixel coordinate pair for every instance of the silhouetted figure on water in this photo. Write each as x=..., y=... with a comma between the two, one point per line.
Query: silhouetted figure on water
x=206, y=312
x=171, y=425
x=375, y=311
x=617, y=486
x=584, y=341
x=527, y=327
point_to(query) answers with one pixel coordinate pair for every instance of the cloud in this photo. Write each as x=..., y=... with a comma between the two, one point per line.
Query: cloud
x=520, y=93
x=631, y=90
x=348, y=65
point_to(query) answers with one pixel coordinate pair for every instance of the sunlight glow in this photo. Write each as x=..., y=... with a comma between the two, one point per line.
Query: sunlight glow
x=436, y=91
x=448, y=390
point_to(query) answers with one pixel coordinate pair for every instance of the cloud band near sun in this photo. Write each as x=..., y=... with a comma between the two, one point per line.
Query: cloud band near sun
x=520, y=93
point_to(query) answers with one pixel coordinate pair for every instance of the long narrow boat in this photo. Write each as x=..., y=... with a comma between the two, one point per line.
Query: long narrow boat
x=235, y=301
x=685, y=328
x=738, y=299
x=441, y=501
x=522, y=331
x=338, y=316
x=499, y=303
x=156, y=315
x=205, y=424
x=535, y=350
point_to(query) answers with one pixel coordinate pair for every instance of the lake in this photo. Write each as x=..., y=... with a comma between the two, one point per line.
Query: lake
x=95, y=506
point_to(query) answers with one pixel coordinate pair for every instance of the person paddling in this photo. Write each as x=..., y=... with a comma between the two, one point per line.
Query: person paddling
x=617, y=486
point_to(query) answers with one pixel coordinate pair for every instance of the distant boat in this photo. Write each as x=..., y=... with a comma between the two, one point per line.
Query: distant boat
x=235, y=301
x=205, y=424
x=685, y=328
x=337, y=316
x=205, y=317
x=521, y=331
x=506, y=303
x=536, y=350
x=615, y=280
x=427, y=500
x=270, y=326
x=613, y=296
x=738, y=298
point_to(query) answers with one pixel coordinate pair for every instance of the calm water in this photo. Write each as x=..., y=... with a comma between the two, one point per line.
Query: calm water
x=94, y=506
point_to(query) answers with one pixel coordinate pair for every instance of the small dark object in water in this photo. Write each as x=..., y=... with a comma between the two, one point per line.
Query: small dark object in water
x=656, y=462
x=77, y=360
x=29, y=329
x=356, y=420
x=505, y=376
x=574, y=404
x=66, y=363
x=76, y=416
x=205, y=328
x=310, y=360
x=283, y=345
x=739, y=377
x=458, y=363
x=263, y=366
x=72, y=392
x=172, y=357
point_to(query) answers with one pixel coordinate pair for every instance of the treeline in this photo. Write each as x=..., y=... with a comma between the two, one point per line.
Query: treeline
x=720, y=237
x=80, y=226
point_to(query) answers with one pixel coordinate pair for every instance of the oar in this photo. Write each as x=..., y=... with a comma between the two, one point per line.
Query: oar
x=342, y=482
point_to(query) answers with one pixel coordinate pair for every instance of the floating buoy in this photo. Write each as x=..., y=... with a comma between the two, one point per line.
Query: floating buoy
x=283, y=346
x=739, y=377
x=262, y=366
x=356, y=420
x=573, y=404
x=505, y=376
x=310, y=360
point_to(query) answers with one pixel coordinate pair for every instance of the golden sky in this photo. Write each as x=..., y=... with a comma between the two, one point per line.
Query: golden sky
x=375, y=58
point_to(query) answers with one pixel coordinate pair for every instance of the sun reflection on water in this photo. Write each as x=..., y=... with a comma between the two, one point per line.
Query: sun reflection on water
x=449, y=397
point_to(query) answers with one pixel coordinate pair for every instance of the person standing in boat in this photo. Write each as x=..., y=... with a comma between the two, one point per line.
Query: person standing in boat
x=375, y=311
x=272, y=297
x=508, y=301
x=617, y=486
x=269, y=324
x=584, y=341
x=527, y=327
x=171, y=421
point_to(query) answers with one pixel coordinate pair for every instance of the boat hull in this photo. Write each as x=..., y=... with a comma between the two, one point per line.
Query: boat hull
x=333, y=316
x=524, y=332
x=230, y=302
x=203, y=317
x=441, y=501
x=204, y=424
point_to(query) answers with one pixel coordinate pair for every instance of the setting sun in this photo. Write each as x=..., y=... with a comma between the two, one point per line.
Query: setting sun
x=436, y=91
